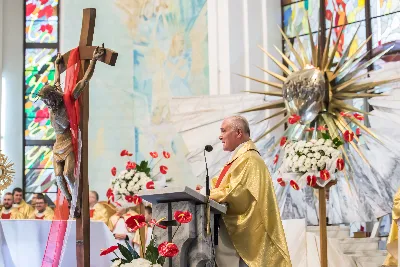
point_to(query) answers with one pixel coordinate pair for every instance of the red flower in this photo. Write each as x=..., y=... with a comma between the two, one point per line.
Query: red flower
x=110, y=194
x=150, y=185
x=47, y=11
x=113, y=171
x=294, y=118
x=125, y=153
x=322, y=128
x=281, y=182
x=108, y=250
x=163, y=169
x=29, y=9
x=154, y=154
x=283, y=140
x=343, y=114
x=294, y=185
x=129, y=199
x=183, y=216
x=137, y=200
x=44, y=1
x=310, y=129
x=42, y=114
x=358, y=132
x=135, y=222
x=325, y=175
x=154, y=223
x=169, y=250
x=358, y=116
x=340, y=164
x=311, y=180
x=276, y=158
x=166, y=154
x=328, y=15
x=348, y=136
x=130, y=165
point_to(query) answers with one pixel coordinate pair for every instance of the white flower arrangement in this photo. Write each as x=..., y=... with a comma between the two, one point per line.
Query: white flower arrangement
x=314, y=155
x=313, y=162
x=128, y=183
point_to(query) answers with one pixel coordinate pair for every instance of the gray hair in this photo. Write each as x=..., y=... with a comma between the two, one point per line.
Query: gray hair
x=240, y=123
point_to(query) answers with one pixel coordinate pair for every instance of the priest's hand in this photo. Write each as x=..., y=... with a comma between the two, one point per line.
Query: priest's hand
x=120, y=236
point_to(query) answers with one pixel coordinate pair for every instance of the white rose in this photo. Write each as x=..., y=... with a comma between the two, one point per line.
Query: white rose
x=310, y=155
x=321, y=141
x=290, y=163
x=317, y=155
x=313, y=161
x=293, y=169
x=302, y=169
x=328, y=142
x=308, y=160
x=306, y=150
x=123, y=185
x=313, y=141
x=135, y=178
x=295, y=158
x=136, y=187
x=307, y=164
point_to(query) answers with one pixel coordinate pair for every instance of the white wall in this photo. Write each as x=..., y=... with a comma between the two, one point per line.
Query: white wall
x=236, y=28
x=11, y=44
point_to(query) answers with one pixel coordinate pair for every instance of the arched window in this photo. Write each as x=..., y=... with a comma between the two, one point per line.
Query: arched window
x=40, y=49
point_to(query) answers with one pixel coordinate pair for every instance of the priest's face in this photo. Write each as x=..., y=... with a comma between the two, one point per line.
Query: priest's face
x=17, y=197
x=8, y=201
x=92, y=199
x=40, y=205
x=230, y=136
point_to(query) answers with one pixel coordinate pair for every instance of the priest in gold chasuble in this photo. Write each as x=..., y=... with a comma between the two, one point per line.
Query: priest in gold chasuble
x=392, y=242
x=251, y=233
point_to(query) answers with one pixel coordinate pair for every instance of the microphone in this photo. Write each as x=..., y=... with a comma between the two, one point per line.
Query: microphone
x=207, y=148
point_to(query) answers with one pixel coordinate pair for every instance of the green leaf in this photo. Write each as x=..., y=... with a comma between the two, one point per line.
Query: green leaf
x=337, y=142
x=135, y=255
x=152, y=252
x=161, y=260
x=114, y=259
x=326, y=136
x=125, y=252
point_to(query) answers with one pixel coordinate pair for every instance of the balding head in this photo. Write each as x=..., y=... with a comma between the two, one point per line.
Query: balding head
x=235, y=130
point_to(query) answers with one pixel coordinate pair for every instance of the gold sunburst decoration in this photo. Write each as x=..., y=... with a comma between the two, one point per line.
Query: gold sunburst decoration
x=6, y=172
x=341, y=81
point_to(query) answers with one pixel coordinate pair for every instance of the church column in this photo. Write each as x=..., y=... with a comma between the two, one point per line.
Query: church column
x=12, y=57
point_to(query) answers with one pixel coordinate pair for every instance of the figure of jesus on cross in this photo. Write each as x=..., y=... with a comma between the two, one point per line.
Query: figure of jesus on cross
x=63, y=154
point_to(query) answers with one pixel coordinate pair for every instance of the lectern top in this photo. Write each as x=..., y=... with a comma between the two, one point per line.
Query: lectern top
x=177, y=194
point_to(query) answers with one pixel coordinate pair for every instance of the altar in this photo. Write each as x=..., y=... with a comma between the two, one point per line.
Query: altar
x=23, y=242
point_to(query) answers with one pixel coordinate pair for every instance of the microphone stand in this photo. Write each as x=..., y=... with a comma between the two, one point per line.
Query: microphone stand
x=207, y=176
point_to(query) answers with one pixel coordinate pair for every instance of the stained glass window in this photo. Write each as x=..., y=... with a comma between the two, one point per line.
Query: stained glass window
x=344, y=12
x=295, y=17
x=385, y=29
x=41, y=47
x=384, y=7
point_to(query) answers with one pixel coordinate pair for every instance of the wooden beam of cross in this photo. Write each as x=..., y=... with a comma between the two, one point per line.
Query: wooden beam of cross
x=86, y=52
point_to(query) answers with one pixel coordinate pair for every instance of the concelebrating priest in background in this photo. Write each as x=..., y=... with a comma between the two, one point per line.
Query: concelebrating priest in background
x=251, y=233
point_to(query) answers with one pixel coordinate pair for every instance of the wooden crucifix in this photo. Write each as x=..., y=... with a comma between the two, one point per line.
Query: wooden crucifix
x=110, y=57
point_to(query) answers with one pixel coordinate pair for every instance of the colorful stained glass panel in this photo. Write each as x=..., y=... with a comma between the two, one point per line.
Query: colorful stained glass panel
x=344, y=12
x=40, y=180
x=383, y=7
x=385, y=29
x=41, y=31
x=295, y=18
x=40, y=59
x=41, y=9
x=39, y=128
x=33, y=105
x=346, y=38
x=38, y=157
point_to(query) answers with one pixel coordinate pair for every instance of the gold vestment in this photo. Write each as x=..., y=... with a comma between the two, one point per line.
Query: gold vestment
x=103, y=212
x=252, y=220
x=15, y=214
x=25, y=209
x=48, y=214
x=392, y=242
